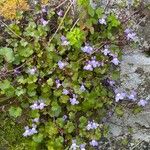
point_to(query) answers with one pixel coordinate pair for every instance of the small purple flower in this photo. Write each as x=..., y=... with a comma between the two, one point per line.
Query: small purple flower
x=115, y=61
x=82, y=146
x=132, y=96
x=142, y=102
x=44, y=9
x=102, y=21
x=88, y=67
x=74, y=146
x=65, y=92
x=58, y=84
x=94, y=63
x=35, y=120
x=132, y=36
x=61, y=64
x=29, y=132
x=60, y=13
x=64, y=117
x=92, y=125
x=74, y=100
x=87, y=49
x=106, y=51
x=127, y=31
x=120, y=96
x=38, y=105
x=44, y=22
x=64, y=40
x=111, y=82
x=91, y=64
x=94, y=143
x=32, y=71
x=82, y=88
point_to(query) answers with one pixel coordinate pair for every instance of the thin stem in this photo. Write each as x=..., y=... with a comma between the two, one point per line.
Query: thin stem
x=61, y=22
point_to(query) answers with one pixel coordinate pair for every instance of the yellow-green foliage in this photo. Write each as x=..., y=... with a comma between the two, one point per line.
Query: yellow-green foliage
x=9, y=8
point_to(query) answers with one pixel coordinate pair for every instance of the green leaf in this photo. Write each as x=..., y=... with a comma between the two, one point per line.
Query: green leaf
x=76, y=37
x=7, y=53
x=55, y=109
x=99, y=12
x=91, y=11
x=15, y=111
x=50, y=82
x=38, y=138
x=69, y=127
x=113, y=21
x=119, y=111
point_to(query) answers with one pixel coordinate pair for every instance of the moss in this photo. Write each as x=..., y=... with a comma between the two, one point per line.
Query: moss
x=10, y=134
x=9, y=8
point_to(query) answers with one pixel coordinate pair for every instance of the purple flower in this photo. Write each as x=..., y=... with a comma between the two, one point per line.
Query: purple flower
x=142, y=102
x=132, y=96
x=32, y=71
x=82, y=146
x=120, y=96
x=64, y=117
x=102, y=21
x=44, y=22
x=88, y=67
x=111, y=82
x=74, y=146
x=106, y=51
x=38, y=105
x=65, y=92
x=132, y=36
x=61, y=64
x=74, y=100
x=35, y=120
x=29, y=132
x=94, y=143
x=92, y=125
x=94, y=63
x=58, y=84
x=64, y=40
x=127, y=31
x=82, y=88
x=91, y=64
x=115, y=61
x=44, y=9
x=87, y=49
x=60, y=13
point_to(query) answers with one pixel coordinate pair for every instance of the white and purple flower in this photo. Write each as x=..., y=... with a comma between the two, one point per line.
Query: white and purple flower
x=92, y=125
x=91, y=64
x=102, y=21
x=64, y=41
x=74, y=146
x=30, y=131
x=132, y=95
x=106, y=52
x=65, y=92
x=87, y=49
x=120, y=96
x=94, y=143
x=38, y=105
x=74, y=100
x=61, y=64
x=115, y=61
x=142, y=103
x=44, y=22
x=58, y=84
x=32, y=71
x=132, y=36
